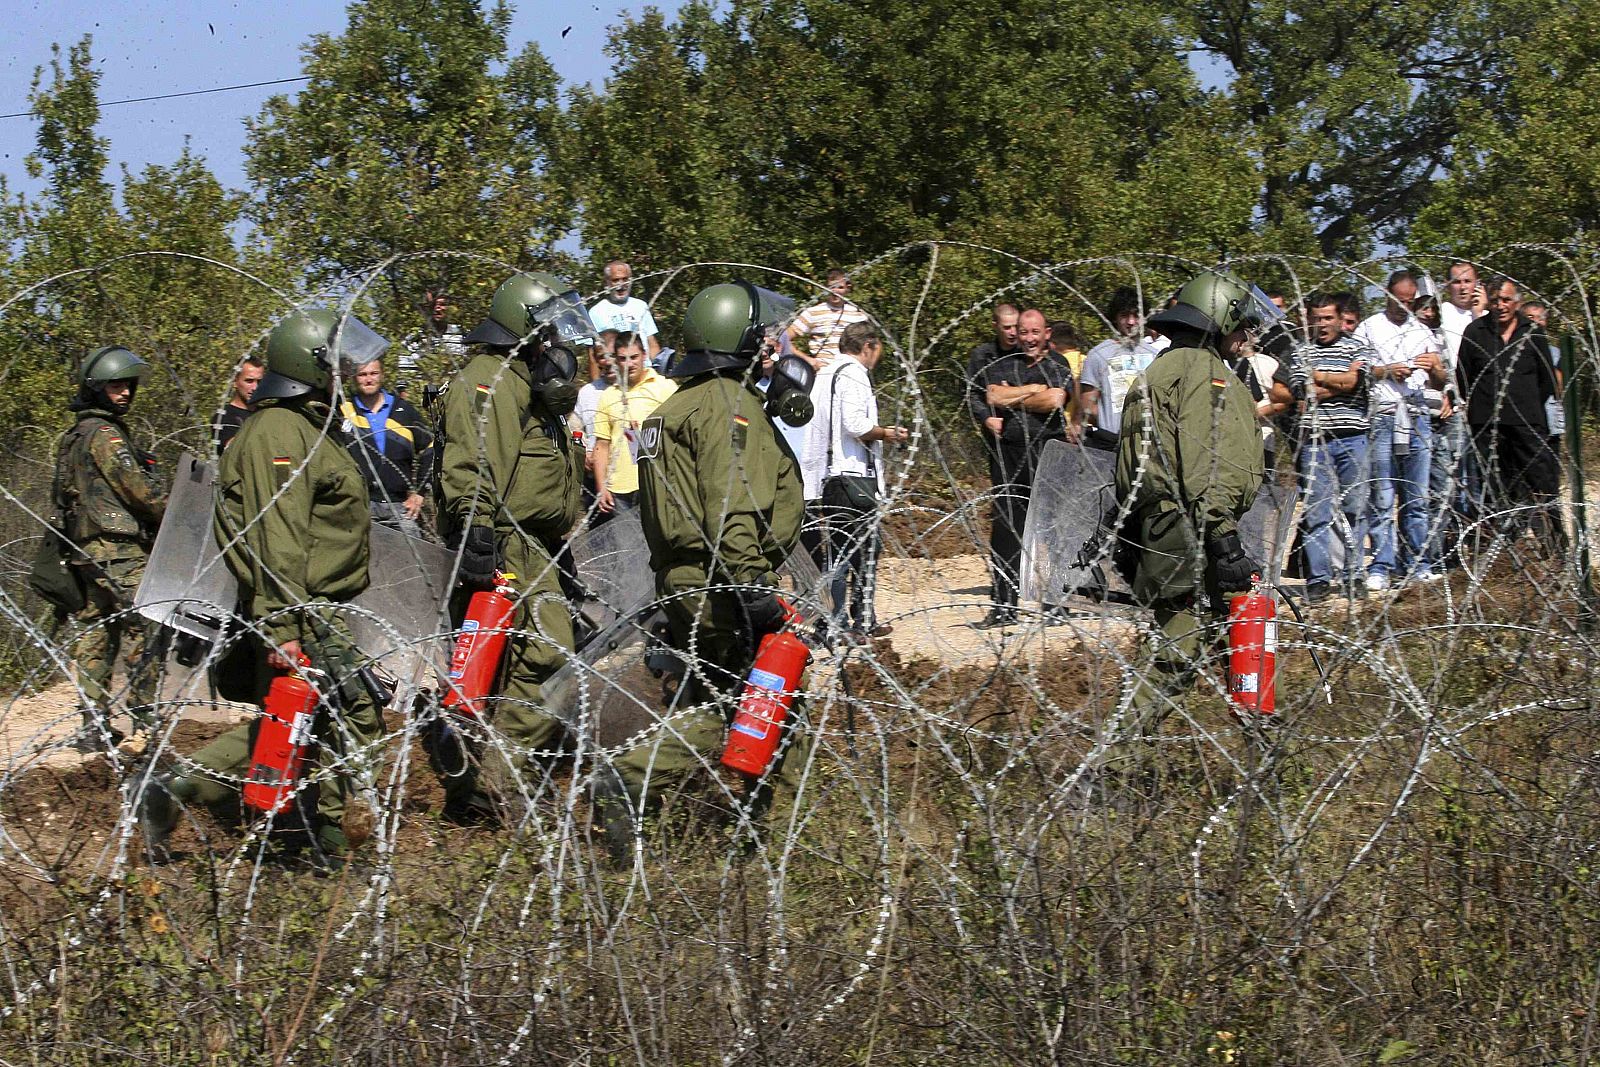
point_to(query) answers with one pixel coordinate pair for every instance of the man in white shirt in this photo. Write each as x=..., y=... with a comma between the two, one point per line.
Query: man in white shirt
x=1111, y=368
x=816, y=331
x=619, y=310
x=1405, y=363
x=844, y=466
x=602, y=375
x=1465, y=301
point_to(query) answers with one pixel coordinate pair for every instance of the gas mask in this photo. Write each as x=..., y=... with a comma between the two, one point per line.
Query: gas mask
x=789, y=391
x=555, y=373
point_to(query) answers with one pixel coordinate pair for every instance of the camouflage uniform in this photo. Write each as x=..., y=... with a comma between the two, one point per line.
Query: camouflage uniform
x=112, y=509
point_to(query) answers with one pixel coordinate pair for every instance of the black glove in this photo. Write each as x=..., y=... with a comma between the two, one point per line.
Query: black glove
x=479, y=560
x=763, y=609
x=1231, y=569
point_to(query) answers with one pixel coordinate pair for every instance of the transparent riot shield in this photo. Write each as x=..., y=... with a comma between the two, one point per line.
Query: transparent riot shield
x=398, y=620
x=617, y=688
x=1266, y=529
x=186, y=584
x=1071, y=489
x=613, y=566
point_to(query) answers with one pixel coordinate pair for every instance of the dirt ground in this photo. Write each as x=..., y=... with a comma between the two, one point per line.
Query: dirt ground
x=932, y=603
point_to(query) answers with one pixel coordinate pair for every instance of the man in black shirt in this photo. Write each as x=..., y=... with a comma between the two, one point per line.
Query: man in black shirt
x=238, y=407
x=1004, y=343
x=1505, y=378
x=1029, y=391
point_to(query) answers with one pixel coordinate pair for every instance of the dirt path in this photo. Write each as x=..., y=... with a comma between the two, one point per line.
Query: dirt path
x=932, y=603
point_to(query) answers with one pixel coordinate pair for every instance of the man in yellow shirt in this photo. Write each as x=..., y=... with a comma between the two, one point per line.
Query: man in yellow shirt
x=623, y=409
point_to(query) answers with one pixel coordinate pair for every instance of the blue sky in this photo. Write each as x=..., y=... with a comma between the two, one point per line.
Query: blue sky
x=146, y=47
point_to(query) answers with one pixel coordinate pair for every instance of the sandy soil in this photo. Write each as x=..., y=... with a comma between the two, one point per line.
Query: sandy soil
x=933, y=605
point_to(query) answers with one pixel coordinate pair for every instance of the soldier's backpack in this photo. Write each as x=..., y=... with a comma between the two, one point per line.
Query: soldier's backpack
x=53, y=576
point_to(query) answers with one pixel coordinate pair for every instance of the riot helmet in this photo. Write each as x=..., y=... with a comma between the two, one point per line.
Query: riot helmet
x=1216, y=303
x=540, y=318
x=305, y=350
x=99, y=369
x=533, y=304
x=726, y=325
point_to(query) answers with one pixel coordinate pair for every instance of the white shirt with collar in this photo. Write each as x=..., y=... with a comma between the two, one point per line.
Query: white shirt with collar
x=846, y=409
x=630, y=316
x=1396, y=344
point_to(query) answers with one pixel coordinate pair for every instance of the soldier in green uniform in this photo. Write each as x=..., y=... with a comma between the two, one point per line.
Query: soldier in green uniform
x=511, y=487
x=1189, y=465
x=292, y=519
x=721, y=505
x=110, y=508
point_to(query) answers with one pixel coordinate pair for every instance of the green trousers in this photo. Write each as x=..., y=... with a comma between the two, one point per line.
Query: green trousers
x=349, y=728
x=707, y=630
x=541, y=647
x=108, y=627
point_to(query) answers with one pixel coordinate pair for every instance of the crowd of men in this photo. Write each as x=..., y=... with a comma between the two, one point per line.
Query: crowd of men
x=1404, y=426
x=764, y=433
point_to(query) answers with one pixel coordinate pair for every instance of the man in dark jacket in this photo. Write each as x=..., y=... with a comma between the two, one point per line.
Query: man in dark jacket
x=390, y=442
x=1506, y=377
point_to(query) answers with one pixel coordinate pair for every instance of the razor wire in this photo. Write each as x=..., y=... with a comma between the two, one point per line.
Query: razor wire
x=950, y=866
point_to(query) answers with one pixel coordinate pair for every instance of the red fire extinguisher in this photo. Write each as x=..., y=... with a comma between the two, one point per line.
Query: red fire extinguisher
x=282, y=740
x=1253, y=651
x=480, y=647
x=769, y=693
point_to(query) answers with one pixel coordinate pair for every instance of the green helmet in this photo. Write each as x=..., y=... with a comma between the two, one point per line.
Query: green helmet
x=1218, y=302
x=530, y=303
x=725, y=325
x=304, y=350
x=110, y=364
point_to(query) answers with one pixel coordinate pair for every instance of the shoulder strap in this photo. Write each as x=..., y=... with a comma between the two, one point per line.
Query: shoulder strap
x=833, y=392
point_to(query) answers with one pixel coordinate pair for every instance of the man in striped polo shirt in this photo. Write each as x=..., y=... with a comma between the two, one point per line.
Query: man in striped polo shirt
x=1331, y=373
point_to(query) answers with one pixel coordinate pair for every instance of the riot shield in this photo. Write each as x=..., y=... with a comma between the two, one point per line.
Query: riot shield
x=186, y=584
x=612, y=690
x=613, y=565
x=1266, y=529
x=1071, y=490
x=398, y=619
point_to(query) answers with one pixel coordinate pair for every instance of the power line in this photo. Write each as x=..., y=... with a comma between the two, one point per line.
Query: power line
x=174, y=96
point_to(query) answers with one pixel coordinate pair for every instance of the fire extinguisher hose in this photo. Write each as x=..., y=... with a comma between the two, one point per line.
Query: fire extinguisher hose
x=1327, y=687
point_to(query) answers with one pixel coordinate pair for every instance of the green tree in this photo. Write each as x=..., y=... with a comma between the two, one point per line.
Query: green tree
x=406, y=140
x=99, y=279
x=1525, y=167
x=1352, y=110
x=804, y=134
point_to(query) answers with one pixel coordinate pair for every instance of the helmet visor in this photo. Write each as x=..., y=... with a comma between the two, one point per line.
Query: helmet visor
x=1260, y=311
x=568, y=321
x=355, y=344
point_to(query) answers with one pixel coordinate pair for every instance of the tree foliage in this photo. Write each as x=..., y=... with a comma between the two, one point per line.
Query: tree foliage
x=157, y=273
x=407, y=139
